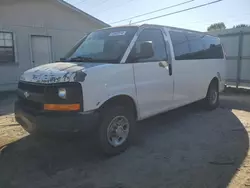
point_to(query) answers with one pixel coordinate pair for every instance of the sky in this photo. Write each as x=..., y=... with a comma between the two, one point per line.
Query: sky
x=231, y=12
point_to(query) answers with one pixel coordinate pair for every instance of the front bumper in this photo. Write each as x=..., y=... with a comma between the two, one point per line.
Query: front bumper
x=55, y=121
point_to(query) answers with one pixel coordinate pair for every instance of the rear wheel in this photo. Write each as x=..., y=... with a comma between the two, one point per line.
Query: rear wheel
x=116, y=129
x=212, y=99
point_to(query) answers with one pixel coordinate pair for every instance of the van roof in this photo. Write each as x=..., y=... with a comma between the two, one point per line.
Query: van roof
x=156, y=25
x=175, y=28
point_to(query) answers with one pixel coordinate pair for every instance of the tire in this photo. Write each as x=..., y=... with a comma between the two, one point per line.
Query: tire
x=212, y=99
x=110, y=116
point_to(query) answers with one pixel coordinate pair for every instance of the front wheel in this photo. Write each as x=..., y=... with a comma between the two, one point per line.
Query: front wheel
x=116, y=130
x=212, y=99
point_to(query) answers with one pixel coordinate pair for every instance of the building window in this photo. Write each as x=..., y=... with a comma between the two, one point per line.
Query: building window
x=7, y=54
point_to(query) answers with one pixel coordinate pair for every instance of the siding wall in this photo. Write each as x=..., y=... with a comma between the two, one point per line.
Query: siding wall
x=35, y=17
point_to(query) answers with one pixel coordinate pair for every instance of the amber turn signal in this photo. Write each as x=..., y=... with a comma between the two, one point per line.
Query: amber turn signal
x=62, y=107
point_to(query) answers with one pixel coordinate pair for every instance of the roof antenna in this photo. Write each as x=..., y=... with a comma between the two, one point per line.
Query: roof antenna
x=130, y=22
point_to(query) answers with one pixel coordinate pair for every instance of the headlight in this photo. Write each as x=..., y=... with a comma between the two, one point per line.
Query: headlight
x=62, y=93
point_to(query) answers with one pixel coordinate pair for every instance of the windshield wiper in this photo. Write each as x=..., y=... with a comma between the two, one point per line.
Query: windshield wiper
x=90, y=59
x=81, y=59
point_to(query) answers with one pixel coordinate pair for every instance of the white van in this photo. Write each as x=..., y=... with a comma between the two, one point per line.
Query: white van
x=116, y=76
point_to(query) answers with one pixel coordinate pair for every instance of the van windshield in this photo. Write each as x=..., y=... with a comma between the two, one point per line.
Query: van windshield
x=107, y=45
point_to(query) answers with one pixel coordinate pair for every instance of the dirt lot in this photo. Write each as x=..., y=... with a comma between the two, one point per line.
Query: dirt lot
x=187, y=147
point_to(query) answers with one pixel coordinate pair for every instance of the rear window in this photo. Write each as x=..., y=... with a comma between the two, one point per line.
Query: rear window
x=212, y=47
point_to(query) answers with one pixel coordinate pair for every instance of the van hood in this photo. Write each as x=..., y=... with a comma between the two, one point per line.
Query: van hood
x=58, y=72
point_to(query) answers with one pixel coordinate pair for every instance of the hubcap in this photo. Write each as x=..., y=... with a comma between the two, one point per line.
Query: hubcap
x=213, y=96
x=118, y=130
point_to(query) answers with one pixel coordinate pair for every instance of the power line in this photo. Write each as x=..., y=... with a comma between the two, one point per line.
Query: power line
x=152, y=12
x=202, y=5
x=114, y=7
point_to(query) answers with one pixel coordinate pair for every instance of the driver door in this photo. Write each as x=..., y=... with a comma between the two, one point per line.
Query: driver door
x=153, y=76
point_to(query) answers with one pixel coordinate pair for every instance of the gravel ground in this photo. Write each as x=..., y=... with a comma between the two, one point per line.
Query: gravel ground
x=187, y=147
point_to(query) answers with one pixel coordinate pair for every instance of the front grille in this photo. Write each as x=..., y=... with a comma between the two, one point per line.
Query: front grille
x=30, y=105
x=31, y=87
x=39, y=94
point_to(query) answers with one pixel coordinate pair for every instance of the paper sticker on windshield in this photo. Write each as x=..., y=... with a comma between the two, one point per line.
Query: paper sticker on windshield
x=118, y=33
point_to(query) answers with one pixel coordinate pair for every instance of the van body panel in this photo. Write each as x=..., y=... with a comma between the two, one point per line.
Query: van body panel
x=154, y=89
x=105, y=82
x=154, y=84
x=193, y=76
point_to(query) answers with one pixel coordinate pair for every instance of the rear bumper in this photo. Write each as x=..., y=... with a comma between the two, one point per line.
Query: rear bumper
x=56, y=121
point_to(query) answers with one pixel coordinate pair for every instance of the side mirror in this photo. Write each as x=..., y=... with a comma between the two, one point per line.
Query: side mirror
x=146, y=50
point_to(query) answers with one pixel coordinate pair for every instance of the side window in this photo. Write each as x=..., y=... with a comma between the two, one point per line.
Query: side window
x=155, y=37
x=196, y=45
x=212, y=48
x=7, y=54
x=180, y=45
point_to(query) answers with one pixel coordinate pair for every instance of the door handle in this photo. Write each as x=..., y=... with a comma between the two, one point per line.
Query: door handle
x=163, y=64
x=166, y=65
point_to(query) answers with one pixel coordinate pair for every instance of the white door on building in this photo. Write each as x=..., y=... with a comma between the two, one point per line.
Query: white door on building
x=41, y=50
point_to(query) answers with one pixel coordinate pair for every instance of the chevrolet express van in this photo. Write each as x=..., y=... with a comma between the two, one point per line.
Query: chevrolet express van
x=116, y=76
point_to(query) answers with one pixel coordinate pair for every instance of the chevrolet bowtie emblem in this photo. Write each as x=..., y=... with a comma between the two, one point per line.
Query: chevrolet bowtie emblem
x=26, y=94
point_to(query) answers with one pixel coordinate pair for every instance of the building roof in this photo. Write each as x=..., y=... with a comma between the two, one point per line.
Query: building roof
x=83, y=13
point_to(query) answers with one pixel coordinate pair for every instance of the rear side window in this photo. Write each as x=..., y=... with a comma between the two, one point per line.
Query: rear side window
x=191, y=46
x=180, y=45
x=156, y=37
x=212, y=48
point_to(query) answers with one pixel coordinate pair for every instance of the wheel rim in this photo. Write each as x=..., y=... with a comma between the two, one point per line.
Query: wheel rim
x=213, y=96
x=118, y=131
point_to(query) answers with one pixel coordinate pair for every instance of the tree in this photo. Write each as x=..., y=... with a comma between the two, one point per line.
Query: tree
x=241, y=25
x=216, y=26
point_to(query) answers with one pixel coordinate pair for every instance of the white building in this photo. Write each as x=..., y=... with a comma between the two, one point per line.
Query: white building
x=34, y=32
